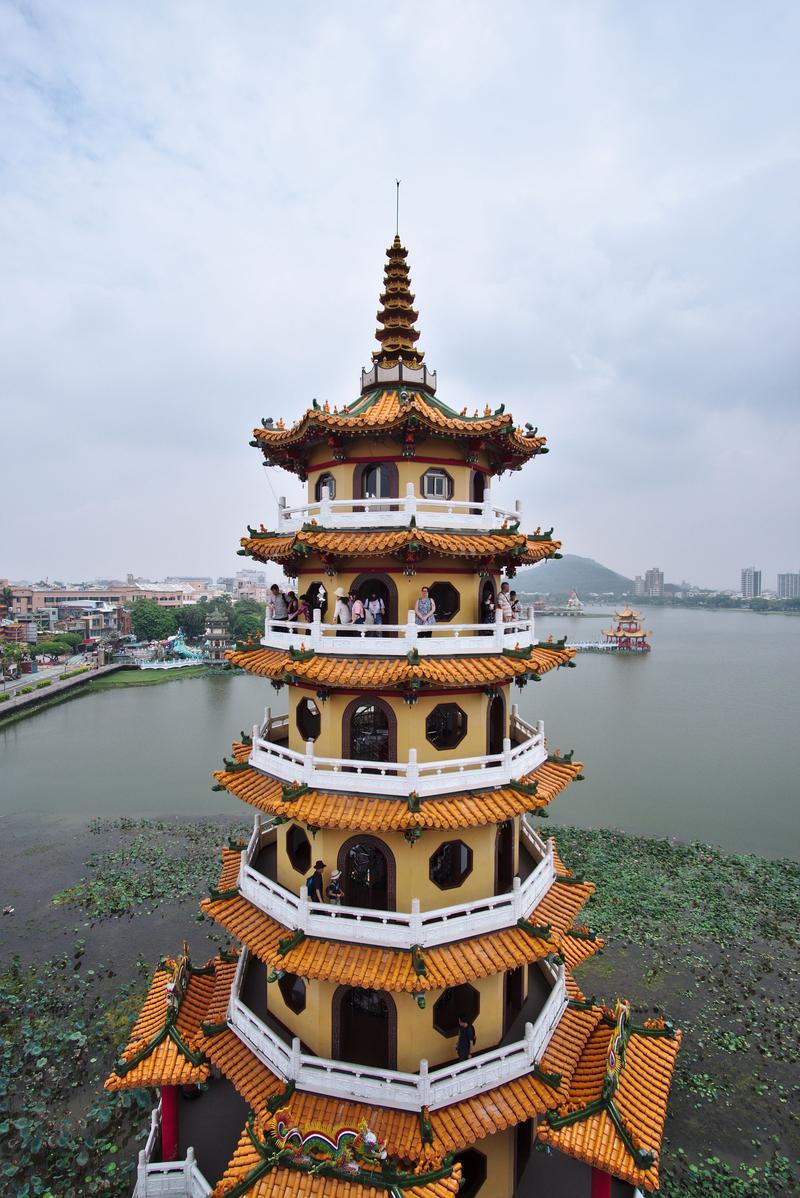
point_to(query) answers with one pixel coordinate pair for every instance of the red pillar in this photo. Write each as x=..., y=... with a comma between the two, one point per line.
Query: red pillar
x=601, y=1183
x=169, y=1123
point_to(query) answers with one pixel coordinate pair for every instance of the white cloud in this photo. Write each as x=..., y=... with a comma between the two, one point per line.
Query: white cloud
x=601, y=207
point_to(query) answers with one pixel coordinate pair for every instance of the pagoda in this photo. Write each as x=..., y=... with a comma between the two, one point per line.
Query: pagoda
x=626, y=633
x=329, y=1050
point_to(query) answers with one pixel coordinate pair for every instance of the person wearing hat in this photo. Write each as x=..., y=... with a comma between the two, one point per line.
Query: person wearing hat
x=334, y=889
x=342, y=613
x=315, y=884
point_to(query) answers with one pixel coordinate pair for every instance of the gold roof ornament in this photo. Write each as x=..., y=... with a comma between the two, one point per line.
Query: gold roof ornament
x=397, y=315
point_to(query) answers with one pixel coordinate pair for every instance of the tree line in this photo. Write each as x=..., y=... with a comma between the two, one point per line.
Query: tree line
x=240, y=619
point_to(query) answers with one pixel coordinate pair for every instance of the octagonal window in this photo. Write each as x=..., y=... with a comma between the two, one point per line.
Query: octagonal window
x=298, y=849
x=456, y=1002
x=473, y=1172
x=446, y=726
x=450, y=864
x=308, y=719
x=447, y=600
x=293, y=990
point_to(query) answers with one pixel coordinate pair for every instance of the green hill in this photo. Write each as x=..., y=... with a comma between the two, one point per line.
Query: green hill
x=572, y=573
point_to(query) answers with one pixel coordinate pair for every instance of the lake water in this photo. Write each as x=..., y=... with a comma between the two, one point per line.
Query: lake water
x=696, y=740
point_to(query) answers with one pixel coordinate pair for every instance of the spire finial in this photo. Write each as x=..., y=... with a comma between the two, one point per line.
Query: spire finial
x=397, y=210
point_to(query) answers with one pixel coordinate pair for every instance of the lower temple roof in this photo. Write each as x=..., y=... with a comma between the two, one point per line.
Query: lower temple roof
x=162, y=1049
x=368, y=813
x=613, y=1117
x=262, y=1168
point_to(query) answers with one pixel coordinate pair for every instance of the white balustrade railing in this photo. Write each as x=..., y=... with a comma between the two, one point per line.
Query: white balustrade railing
x=430, y=1088
x=401, y=778
x=397, y=640
x=397, y=512
x=180, y=1178
x=396, y=929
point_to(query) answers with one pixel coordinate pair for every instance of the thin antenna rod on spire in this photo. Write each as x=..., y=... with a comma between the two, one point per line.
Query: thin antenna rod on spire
x=397, y=210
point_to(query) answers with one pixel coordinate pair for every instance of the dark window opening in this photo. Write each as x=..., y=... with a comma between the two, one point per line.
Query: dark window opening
x=447, y=600
x=446, y=726
x=298, y=849
x=464, y=1001
x=309, y=719
x=450, y=864
x=473, y=1172
x=369, y=733
x=293, y=990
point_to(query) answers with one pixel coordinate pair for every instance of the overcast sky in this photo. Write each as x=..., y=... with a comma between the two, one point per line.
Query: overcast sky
x=601, y=206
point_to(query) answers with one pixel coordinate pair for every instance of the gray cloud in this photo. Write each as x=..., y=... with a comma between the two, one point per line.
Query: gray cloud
x=601, y=206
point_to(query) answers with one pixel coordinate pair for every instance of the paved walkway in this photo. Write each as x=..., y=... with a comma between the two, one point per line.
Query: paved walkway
x=56, y=687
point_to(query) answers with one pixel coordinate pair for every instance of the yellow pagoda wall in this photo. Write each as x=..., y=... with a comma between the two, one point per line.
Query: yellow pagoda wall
x=412, y=878
x=410, y=724
x=409, y=470
x=417, y=1038
x=429, y=571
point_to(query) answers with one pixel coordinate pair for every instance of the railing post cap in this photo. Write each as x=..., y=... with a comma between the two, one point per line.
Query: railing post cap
x=412, y=754
x=515, y=882
x=415, y=906
x=295, y=1043
x=423, y=1068
x=142, y=1159
x=528, y=1031
x=190, y=1153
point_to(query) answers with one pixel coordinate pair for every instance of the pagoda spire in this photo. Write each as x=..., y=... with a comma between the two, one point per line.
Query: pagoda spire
x=398, y=336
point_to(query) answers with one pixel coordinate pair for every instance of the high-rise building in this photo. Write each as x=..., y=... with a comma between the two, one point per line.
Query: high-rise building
x=395, y=794
x=654, y=583
x=751, y=582
x=789, y=586
x=638, y=586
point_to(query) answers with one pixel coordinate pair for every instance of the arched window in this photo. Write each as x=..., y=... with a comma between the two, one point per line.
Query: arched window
x=325, y=480
x=365, y=1027
x=368, y=873
x=369, y=731
x=376, y=480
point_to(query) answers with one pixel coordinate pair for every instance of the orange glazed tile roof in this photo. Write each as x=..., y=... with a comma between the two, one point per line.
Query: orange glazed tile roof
x=394, y=970
x=355, y=673
x=614, y=1118
x=363, y=813
x=163, y=1048
x=384, y=411
x=511, y=547
x=252, y=1175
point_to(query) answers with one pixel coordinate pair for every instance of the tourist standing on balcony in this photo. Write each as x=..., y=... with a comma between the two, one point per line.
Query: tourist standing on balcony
x=278, y=606
x=292, y=606
x=342, y=613
x=315, y=885
x=357, y=610
x=334, y=888
x=504, y=603
x=376, y=608
x=466, y=1038
x=514, y=605
x=425, y=610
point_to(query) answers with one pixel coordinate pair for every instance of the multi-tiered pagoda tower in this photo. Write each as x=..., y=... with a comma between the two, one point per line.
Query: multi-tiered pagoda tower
x=324, y=1041
x=626, y=633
